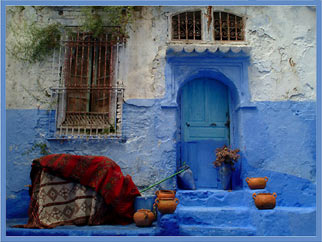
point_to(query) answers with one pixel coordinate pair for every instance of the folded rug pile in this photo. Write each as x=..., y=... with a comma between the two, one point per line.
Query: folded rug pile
x=81, y=190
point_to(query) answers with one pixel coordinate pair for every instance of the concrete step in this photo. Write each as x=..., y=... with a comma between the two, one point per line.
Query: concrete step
x=215, y=216
x=217, y=198
x=202, y=230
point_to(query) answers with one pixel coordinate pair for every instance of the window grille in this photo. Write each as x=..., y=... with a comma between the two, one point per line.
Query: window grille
x=186, y=26
x=89, y=101
x=228, y=27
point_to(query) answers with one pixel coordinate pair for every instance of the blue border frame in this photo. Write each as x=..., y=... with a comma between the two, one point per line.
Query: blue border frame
x=316, y=3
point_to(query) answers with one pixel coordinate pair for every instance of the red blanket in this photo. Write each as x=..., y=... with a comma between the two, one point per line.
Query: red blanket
x=97, y=172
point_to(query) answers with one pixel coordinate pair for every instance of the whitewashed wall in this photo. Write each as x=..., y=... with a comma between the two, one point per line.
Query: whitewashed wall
x=282, y=41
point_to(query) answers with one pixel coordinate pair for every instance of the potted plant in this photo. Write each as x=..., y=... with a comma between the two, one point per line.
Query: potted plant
x=225, y=160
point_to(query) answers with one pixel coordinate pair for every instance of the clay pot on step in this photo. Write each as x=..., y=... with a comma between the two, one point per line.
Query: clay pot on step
x=165, y=194
x=257, y=182
x=265, y=200
x=167, y=205
x=143, y=218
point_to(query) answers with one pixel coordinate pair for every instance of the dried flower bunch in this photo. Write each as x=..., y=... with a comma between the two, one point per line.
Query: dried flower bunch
x=227, y=156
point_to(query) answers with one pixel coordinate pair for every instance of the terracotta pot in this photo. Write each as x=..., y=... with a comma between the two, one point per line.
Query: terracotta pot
x=165, y=194
x=265, y=200
x=257, y=182
x=167, y=205
x=143, y=218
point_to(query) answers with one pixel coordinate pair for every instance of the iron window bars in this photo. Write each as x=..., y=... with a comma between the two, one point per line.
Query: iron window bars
x=228, y=27
x=89, y=99
x=186, y=26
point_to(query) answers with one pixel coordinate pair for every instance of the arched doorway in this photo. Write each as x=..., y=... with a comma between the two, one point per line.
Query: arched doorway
x=205, y=125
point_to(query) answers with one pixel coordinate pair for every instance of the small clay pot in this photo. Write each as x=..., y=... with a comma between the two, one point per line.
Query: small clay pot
x=143, y=218
x=265, y=200
x=165, y=194
x=257, y=182
x=167, y=205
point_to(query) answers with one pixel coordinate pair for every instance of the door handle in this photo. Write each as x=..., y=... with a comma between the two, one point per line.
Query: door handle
x=213, y=124
x=188, y=125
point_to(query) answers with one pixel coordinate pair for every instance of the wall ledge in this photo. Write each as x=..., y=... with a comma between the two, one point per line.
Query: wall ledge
x=250, y=105
x=223, y=49
x=140, y=102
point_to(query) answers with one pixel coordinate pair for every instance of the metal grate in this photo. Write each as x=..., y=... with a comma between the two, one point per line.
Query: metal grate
x=77, y=124
x=186, y=26
x=89, y=99
x=228, y=27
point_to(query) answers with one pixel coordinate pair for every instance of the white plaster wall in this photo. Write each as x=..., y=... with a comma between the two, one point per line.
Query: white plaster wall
x=283, y=56
x=283, y=51
x=282, y=41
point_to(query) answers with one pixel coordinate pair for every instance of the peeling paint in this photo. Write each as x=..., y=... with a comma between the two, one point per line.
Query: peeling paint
x=276, y=45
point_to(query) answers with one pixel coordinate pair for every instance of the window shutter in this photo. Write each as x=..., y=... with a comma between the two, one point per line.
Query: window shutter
x=88, y=97
x=78, y=74
x=102, y=76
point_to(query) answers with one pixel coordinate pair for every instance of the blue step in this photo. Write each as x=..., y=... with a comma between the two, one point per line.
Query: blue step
x=280, y=221
x=284, y=221
x=215, y=216
x=202, y=230
x=216, y=198
x=224, y=213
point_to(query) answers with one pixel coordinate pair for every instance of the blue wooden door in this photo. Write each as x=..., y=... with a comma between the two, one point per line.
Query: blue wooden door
x=204, y=127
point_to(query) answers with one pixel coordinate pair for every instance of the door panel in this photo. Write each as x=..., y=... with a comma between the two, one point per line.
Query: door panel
x=206, y=133
x=204, y=116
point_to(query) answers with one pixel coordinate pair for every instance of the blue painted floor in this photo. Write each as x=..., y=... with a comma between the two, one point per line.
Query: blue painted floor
x=72, y=230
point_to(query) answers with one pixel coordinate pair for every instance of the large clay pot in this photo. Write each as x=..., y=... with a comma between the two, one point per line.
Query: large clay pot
x=143, y=218
x=257, y=182
x=265, y=200
x=165, y=194
x=167, y=205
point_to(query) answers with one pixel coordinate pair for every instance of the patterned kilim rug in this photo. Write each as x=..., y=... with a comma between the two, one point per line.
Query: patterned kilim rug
x=80, y=190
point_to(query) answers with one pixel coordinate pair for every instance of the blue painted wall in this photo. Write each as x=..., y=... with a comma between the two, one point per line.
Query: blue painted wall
x=148, y=154
x=277, y=140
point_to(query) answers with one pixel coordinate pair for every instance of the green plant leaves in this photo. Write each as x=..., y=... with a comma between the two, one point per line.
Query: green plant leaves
x=96, y=17
x=33, y=42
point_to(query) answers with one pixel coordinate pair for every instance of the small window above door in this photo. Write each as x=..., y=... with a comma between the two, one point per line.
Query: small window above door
x=187, y=26
x=228, y=27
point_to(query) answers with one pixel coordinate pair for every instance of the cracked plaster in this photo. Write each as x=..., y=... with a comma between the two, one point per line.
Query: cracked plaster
x=282, y=56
